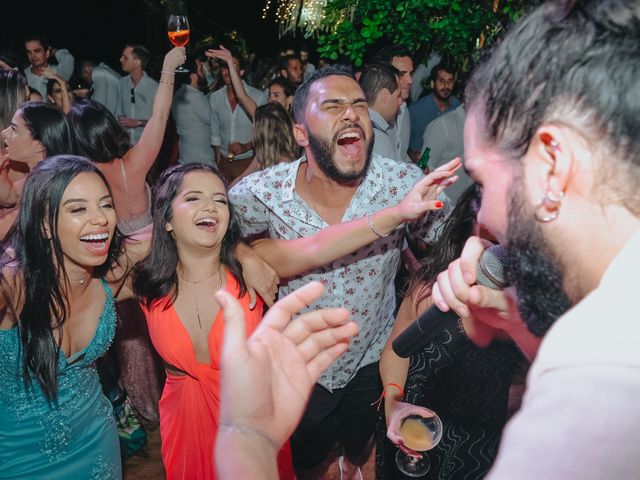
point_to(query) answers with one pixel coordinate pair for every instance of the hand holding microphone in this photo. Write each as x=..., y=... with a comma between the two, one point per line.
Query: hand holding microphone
x=487, y=271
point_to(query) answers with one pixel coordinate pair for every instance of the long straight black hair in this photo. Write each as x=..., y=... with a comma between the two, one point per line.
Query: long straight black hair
x=156, y=276
x=456, y=229
x=39, y=260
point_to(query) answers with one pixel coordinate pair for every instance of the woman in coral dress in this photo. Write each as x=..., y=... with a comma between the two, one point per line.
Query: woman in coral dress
x=191, y=257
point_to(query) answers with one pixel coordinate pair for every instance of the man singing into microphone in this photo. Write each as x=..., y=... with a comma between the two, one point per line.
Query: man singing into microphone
x=552, y=136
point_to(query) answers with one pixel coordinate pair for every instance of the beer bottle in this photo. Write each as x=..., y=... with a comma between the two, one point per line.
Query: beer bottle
x=423, y=163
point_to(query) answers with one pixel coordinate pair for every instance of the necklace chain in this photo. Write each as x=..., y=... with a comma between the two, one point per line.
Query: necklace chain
x=189, y=282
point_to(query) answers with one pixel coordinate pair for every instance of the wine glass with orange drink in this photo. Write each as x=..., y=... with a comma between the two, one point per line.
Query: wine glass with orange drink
x=178, y=31
x=421, y=430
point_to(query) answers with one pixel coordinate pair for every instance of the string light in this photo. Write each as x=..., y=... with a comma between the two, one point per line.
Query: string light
x=290, y=15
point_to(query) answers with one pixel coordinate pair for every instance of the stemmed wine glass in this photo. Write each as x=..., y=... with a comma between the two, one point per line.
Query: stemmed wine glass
x=178, y=31
x=421, y=430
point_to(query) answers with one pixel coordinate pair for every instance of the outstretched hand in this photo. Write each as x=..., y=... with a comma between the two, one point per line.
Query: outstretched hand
x=267, y=379
x=423, y=197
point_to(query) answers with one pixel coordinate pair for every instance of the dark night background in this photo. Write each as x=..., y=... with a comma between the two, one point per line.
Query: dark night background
x=98, y=29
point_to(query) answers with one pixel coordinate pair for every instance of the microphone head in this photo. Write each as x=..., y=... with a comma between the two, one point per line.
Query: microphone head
x=490, y=271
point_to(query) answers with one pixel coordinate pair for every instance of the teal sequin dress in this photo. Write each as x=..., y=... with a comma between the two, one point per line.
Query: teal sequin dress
x=74, y=437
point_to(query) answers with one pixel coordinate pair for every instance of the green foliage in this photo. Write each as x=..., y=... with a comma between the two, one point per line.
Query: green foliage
x=452, y=27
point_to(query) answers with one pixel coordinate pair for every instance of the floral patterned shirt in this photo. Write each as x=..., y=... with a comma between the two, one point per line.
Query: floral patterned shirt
x=362, y=282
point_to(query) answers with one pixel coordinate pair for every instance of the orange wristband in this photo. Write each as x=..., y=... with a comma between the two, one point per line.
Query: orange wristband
x=397, y=386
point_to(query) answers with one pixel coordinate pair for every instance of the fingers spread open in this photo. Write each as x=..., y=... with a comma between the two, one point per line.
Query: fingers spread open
x=321, y=340
x=316, y=321
x=280, y=314
x=324, y=359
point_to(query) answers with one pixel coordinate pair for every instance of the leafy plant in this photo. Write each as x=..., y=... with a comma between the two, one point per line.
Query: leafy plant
x=454, y=28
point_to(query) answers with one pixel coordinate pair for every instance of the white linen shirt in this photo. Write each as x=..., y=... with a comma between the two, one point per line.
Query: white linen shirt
x=106, y=87
x=144, y=93
x=232, y=126
x=362, y=282
x=403, y=133
x=191, y=113
x=580, y=418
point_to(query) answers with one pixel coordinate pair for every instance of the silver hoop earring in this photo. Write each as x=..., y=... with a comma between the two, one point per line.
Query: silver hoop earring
x=550, y=200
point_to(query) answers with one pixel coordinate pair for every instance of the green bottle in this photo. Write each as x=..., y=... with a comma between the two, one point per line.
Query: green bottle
x=423, y=163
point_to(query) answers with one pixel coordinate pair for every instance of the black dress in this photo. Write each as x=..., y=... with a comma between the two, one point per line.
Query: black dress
x=468, y=387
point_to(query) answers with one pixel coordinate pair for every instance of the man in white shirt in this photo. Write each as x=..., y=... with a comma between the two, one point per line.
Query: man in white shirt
x=445, y=140
x=379, y=82
x=105, y=84
x=39, y=52
x=137, y=91
x=552, y=137
x=231, y=127
x=190, y=110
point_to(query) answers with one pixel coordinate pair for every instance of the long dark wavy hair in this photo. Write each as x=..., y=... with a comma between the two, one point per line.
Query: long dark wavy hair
x=50, y=126
x=98, y=134
x=156, y=276
x=456, y=229
x=39, y=260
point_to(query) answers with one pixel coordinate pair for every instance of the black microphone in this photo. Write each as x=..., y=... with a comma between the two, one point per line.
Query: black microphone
x=434, y=321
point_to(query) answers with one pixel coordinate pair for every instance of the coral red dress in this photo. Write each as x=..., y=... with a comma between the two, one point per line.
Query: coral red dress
x=190, y=404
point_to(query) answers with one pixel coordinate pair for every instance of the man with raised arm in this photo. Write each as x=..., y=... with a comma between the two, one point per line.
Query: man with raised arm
x=336, y=180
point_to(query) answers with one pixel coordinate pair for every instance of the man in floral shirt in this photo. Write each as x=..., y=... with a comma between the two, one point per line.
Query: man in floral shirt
x=337, y=180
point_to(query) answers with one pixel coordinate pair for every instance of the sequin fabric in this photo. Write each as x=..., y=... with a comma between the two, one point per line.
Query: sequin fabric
x=76, y=432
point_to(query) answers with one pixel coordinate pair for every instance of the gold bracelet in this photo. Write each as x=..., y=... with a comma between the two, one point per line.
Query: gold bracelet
x=168, y=83
x=167, y=71
x=372, y=226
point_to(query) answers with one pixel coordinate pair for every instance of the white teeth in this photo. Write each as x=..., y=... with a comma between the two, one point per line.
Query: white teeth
x=350, y=135
x=208, y=221
x=95, y=236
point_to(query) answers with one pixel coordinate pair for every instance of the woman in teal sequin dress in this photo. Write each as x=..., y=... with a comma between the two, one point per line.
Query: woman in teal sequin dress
x=57, y=318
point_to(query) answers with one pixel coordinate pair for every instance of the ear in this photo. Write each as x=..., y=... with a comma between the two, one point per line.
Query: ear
x=300, y=134
x=383, y=96
x=38, y=147
x=551, y=162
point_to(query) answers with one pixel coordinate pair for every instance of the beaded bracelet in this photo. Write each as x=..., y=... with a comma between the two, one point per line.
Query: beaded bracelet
x=372, y=226
x=168, y=83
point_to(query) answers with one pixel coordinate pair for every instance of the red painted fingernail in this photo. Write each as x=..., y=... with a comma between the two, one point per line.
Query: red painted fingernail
x=439, y=204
